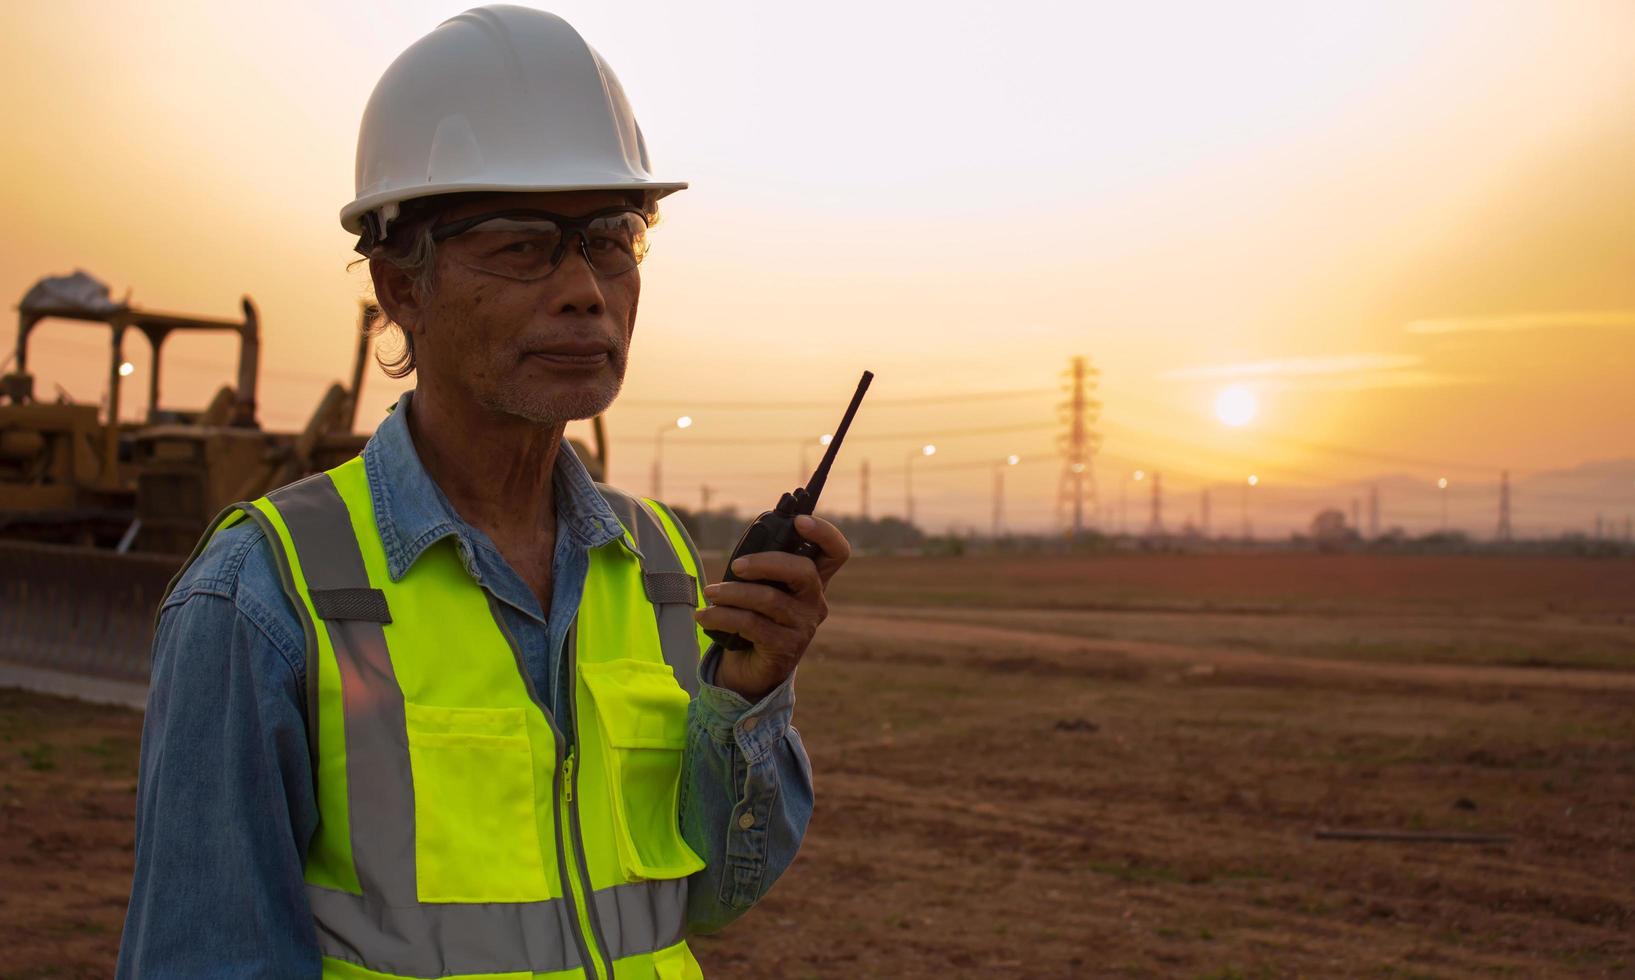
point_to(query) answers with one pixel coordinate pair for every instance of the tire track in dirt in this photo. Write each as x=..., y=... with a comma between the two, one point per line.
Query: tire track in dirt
x=946, y=633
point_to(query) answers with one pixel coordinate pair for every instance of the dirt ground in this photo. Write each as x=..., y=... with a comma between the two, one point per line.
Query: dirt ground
x=1115, y=767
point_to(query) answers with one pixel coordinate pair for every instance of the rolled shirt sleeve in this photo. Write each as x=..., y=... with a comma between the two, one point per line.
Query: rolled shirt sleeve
x=746, y=796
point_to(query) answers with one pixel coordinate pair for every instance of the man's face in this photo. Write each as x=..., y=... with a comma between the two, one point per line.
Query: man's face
x=547, y=350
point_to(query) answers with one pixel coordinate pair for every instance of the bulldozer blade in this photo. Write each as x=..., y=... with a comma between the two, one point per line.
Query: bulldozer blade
x=80, y=610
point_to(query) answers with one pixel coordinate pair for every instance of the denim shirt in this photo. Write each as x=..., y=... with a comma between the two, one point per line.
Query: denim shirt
x=225, y=804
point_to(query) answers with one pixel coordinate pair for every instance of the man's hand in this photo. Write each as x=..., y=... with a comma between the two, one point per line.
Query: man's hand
x=780, y=624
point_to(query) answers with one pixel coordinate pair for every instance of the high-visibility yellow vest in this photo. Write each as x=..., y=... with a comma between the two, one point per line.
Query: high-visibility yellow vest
x=457, y=837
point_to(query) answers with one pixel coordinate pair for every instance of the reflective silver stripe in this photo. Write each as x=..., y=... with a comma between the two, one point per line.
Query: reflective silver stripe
x=678, y=631
x=643, y=916
x=437, y=940
x=379, y=787
x=692, y=549
x=442, y=939
x=624, y=507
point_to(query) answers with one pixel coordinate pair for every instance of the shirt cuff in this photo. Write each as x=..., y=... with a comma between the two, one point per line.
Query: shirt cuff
x=729, y=717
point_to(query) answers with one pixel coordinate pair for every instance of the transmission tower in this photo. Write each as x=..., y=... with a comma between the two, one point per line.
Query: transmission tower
x=1203, y=512
x=1373, y=512
x=1504, y=506
x=1079, y=444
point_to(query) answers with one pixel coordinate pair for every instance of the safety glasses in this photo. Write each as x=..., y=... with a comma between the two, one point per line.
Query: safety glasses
x=526, y=244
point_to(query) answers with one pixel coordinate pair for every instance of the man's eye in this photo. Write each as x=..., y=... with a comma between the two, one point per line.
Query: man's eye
x=524, y=247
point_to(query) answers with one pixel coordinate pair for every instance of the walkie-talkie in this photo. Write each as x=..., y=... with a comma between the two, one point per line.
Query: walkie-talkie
x=775, y=530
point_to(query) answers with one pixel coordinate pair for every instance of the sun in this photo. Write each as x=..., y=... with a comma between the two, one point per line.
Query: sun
x=1236, y=405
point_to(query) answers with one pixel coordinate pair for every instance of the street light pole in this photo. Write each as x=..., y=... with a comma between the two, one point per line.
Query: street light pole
x=658, y=452
x=1123, y=485
x=1248, y=534
x=925, y=450
x=998, y=496
x=999, y=490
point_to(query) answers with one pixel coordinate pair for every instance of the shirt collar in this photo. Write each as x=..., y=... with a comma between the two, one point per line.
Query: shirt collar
x=413, y=513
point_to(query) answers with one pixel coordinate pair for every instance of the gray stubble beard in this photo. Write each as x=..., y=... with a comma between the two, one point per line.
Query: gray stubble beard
x=542, y=406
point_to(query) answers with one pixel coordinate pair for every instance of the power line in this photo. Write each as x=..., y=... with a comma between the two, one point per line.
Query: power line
x=921, y=435
x=1331, y=448
x=1379, y=457
x=942, y=466
x=774, y=406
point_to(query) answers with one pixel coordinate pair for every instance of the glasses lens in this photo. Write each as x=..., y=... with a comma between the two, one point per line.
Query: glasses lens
x=616, y=243
x=531, y=248
x=517, y=248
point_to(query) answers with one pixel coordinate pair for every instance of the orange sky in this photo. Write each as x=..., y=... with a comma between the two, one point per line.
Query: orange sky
x=1409, y=228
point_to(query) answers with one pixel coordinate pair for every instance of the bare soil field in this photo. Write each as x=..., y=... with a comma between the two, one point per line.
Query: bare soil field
x=1113, y=769
x=1264, y=582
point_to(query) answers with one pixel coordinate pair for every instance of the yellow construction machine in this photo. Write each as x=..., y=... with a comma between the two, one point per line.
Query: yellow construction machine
x=96, y=513
x=75, y=474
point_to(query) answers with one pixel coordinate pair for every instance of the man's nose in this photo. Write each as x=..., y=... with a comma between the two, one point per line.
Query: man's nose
x=578, y=290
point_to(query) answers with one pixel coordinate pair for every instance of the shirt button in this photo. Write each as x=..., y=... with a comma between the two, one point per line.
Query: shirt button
x=751, y=722
x=746, y=821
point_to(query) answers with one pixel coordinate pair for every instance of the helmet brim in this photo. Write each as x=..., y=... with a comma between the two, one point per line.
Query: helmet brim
x=352, y=214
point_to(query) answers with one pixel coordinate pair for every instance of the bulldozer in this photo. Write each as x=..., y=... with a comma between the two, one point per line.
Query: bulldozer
x=97, y=514
x=76, y=474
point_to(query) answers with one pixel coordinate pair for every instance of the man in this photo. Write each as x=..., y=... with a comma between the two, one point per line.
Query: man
x=441, y=710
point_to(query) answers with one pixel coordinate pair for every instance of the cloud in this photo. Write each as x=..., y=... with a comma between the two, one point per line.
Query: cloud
x=1301, y=367
x=1613, y=319
x=1383, y=379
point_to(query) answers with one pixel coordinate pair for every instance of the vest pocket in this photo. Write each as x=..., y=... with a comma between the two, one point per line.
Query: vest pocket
x=641, y=714
x=676, y=963
x=475, y=834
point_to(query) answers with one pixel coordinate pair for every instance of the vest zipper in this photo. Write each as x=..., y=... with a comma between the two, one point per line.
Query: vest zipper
x=579, y=887
x=564, y=768
x=572, y=781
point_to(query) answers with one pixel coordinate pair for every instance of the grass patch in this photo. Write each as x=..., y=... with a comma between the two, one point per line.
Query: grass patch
x=1137, y=872
x=1234, y=972
x=1592, y=959
x=80, y=927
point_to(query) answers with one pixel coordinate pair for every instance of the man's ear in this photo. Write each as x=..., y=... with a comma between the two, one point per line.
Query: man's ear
x=395, y=293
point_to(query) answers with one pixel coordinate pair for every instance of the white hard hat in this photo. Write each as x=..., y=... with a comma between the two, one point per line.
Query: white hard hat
x=499, y=98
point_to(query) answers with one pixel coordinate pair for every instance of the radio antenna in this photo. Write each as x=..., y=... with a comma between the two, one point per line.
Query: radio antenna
x=808, y=501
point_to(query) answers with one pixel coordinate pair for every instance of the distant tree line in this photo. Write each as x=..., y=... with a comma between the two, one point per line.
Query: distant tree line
x=718, y=530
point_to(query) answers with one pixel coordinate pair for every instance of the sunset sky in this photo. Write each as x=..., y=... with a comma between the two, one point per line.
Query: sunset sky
x=1406, y=229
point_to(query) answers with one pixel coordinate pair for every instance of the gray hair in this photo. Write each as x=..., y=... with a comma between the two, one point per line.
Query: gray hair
x=414, y=253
